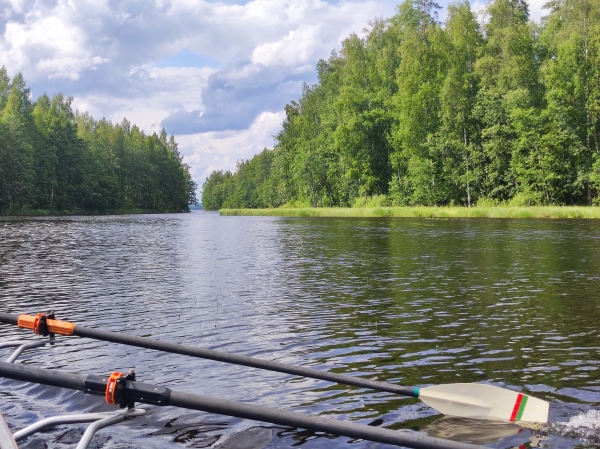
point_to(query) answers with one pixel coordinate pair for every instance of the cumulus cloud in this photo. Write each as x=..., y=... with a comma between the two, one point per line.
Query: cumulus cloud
x=274, y=71
x=296, y=48
x=236, y=95
x=536, y=10
x=110, y=49
x=157, y=92
x=206, y=152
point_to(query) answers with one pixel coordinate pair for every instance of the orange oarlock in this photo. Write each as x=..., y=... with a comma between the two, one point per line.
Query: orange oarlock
x=39, y=318
x=54, y=326
x=111, y=388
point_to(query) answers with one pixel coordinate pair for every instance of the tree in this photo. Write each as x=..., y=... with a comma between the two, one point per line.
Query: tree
x=216, y=189
x=458, y=132
x=16, y=145
x=51, y=158
x=506, y=112
x=570, y=72
x=417, y=102
x=507, y=64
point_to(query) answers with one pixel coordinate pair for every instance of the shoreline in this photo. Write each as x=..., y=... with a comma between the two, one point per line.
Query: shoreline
x=72, y=213
x=539, y=212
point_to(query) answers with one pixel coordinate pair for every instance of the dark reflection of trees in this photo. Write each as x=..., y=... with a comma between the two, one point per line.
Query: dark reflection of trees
x=441, y=301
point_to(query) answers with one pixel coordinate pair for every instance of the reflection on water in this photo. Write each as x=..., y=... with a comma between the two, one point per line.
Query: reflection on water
x=417, y=302
x=476, y=431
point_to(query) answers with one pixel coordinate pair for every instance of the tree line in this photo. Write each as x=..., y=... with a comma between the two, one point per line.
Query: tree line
x=52, y=158
x=497, y=111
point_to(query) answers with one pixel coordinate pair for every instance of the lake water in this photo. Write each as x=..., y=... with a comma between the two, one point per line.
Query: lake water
x=416, y=302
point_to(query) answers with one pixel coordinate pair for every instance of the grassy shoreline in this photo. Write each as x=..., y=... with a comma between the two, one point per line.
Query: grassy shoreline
x=552, y=212
x=65, y=213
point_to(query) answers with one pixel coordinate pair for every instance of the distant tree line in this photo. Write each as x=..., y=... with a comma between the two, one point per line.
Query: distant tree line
x=420, y=113
x=51, y=158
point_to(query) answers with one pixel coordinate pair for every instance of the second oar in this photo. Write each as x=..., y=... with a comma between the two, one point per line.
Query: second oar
x=470, y=400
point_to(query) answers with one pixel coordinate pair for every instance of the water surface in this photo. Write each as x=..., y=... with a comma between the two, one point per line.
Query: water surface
x=515, y=303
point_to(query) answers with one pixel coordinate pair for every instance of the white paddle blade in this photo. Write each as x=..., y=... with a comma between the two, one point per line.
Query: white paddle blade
x=484, y=401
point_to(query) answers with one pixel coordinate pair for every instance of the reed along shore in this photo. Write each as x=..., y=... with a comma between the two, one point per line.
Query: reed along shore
x=552, y=212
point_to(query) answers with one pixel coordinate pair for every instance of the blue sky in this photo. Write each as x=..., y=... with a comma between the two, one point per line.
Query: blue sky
x=216, y=74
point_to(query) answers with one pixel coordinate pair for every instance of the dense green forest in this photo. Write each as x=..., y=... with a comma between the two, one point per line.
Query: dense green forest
x=53, y=159
x=494, y=111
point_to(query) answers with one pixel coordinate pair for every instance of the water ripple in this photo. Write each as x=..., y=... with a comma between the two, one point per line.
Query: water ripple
x=416, y=302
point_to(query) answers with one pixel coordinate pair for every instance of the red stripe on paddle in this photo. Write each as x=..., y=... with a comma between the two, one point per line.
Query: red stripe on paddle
x=513, y=416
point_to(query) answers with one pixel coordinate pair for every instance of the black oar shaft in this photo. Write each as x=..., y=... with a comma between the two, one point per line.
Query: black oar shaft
x=9, y=318
x=42, y=376
x=148, y=343
x=282, y=417
x=93, y=384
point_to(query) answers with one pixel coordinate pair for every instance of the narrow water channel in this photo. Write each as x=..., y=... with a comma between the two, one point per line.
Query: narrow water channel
x=515, y=303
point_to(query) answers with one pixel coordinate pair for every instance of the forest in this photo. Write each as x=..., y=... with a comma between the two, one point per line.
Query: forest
x=52, y=159
x=488, y=109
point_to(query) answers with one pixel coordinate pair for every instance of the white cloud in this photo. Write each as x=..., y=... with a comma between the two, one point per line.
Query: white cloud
x=108, y=48
x=536, y=11
x=299, y=46
x=206, y=152
x=159, y=91
x=478, y=7
x=15, y=7
x=69, y=68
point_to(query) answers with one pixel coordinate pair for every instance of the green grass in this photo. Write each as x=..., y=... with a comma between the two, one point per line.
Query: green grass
x=427, y=212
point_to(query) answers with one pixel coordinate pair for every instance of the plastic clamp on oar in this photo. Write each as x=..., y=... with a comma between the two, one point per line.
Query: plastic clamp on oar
x=45, y=323
x=116, y=390
x=40, y=324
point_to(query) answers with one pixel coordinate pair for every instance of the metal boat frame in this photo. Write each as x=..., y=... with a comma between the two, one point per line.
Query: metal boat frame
x=8, y=440
x=124, y=391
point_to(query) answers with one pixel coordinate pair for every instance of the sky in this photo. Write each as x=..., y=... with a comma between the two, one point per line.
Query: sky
x=216, y=74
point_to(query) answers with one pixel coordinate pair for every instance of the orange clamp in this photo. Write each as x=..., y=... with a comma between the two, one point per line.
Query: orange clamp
x=54, y=326
x=36, y=323
x=111, y=388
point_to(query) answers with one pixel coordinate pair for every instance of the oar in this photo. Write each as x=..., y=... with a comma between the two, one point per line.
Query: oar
x=131, y=392
x=468, y=400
